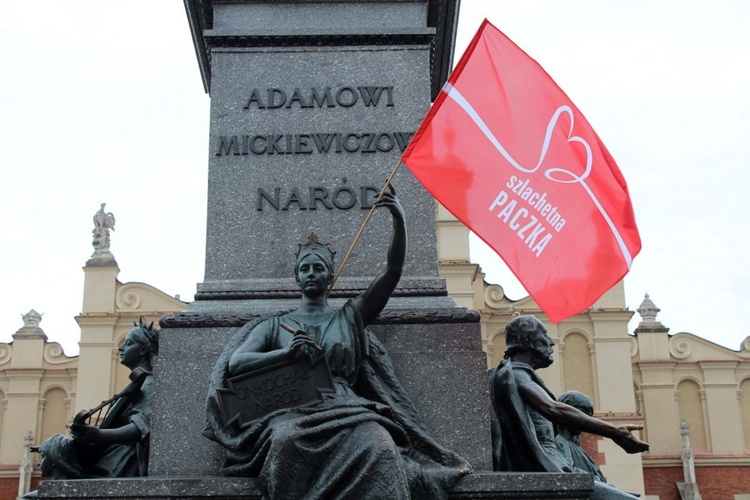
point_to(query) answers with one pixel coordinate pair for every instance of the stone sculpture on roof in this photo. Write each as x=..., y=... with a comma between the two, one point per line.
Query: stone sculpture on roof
x=103, y=222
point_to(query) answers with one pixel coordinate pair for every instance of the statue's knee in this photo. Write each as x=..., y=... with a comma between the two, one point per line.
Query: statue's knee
x=378, y=438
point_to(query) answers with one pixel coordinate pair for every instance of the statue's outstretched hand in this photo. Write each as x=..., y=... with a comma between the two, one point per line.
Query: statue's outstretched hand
x=627, y=441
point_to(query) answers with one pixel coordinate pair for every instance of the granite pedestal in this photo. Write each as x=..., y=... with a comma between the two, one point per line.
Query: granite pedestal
x=441, y=366
x=475, y=486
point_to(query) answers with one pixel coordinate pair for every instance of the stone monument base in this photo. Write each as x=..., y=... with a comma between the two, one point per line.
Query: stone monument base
x=485, y=485
x=437, y=354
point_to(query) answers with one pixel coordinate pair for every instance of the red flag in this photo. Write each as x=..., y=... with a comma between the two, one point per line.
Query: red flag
x=506, y=151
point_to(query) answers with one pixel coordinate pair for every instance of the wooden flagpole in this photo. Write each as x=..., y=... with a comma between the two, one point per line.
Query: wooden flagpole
x=362, y=229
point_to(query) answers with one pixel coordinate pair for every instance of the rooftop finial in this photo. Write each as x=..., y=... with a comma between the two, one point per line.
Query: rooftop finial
x=31, y=319
x=30, y=328
x=648, y=312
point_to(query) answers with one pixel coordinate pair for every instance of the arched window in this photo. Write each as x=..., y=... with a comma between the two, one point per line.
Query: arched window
x=55, y=414
x=578, y=373
x=690, y=405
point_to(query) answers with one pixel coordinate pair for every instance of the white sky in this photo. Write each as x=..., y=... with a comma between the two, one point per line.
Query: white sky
x=103, y=102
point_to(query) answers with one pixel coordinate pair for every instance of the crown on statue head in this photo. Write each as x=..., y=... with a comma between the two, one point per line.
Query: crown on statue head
x=314, y=246
x=150, y=334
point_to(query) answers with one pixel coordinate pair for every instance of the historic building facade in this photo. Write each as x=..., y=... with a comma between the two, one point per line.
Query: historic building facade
x=683, y=378
x=648, y=377
x=42, y=389
x=37, y=387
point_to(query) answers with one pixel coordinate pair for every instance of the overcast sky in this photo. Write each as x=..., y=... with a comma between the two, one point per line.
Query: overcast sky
x=102, y=101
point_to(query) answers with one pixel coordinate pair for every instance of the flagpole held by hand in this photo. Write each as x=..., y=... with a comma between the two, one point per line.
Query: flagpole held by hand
x=364, y=224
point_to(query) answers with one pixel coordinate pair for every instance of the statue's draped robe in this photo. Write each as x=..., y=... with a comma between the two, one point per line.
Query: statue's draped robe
x=73, y=460
x=575, y=455
x=365, y=441
x=523, y=440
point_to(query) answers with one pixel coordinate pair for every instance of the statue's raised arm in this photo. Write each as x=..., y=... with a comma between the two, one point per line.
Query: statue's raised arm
x=374, y=299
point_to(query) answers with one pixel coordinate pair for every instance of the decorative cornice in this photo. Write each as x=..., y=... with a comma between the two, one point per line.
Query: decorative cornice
x=702, y=459
x=387, y=317
x=442, y=16
x=657, y=363
x=610, y=416
x=205, y=320
x=428, y=316
x=296, y=294
x=339, y=40
x=97, y=319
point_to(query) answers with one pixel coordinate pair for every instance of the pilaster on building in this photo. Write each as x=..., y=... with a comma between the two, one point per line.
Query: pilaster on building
x=98, y=318
x=97, y=322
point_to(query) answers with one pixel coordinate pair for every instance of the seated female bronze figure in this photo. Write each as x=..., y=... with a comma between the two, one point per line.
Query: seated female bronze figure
x=118, y=447
x=367, y=439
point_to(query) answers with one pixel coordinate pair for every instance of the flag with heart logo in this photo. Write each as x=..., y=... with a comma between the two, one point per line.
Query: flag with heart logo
x=506, y=151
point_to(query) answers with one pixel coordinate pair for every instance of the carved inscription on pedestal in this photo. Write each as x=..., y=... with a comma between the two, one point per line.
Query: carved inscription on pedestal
x=289, y=384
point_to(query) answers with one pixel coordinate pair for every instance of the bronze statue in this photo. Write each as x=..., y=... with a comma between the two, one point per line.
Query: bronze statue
x=524, y=411
x=366, y=439
x=568, y=439
x=118, y=446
